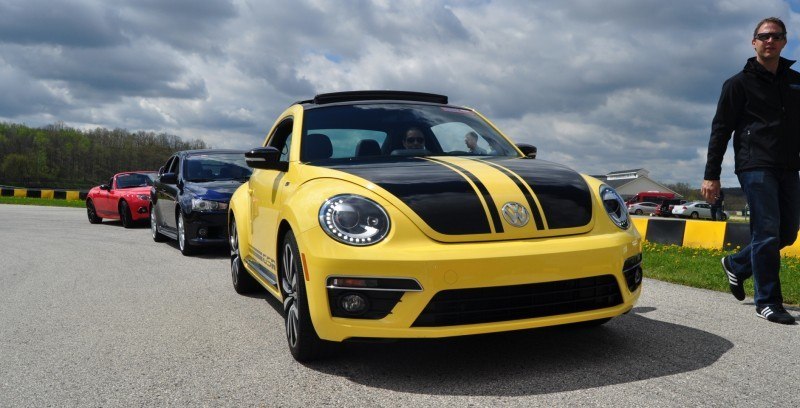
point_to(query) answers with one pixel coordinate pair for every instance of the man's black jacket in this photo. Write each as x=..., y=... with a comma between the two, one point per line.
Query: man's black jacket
x=762, y=111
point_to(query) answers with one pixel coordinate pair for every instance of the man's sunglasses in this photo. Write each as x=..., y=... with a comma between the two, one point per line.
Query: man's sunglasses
x=415, y=140
x=767, y=36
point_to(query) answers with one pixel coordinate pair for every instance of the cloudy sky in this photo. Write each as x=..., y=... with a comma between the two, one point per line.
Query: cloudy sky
x=600, y=85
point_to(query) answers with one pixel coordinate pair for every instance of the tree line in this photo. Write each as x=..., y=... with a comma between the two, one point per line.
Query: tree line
x=57, y=156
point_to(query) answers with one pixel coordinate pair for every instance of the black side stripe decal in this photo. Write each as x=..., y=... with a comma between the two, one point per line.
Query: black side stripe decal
x=537, y=216
x=498, y=224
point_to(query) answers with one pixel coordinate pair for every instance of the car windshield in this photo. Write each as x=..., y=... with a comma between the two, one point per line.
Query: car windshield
x=216, y=166
x=380, y=131
x=131, y=180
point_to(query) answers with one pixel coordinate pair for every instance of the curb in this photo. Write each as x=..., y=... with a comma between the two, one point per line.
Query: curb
x=700, y=234
x=53, y=194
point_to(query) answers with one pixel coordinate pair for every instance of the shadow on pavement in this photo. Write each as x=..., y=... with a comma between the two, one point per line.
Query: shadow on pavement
x=541, y=361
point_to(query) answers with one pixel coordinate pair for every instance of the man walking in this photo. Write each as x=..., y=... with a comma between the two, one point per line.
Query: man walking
x=760, y=106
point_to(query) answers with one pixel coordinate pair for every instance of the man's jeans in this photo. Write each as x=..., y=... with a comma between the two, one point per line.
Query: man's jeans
x=774, y=198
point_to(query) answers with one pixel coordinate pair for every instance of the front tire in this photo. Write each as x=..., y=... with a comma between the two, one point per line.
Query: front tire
x=187, y=249
x=243, y=283
x=92, y=213
x=303, y=341
x=125, y=214
x=638, y=212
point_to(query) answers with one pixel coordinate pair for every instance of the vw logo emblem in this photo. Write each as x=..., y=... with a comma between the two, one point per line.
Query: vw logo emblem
x=515, y=214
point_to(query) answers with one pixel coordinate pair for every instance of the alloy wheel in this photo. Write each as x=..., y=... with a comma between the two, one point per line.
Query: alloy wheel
x=181, y=233
x=153, y=223
x=289, y=287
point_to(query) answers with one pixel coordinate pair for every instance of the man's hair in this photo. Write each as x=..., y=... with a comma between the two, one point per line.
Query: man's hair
x=775, y=20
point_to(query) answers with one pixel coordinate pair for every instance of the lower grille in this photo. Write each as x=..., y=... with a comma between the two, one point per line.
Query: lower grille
x=503, y=303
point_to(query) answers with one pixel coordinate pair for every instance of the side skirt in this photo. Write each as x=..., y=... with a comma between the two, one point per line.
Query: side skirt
x=262, y=272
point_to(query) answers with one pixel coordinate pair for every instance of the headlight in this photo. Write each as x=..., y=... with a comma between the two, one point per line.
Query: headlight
x=354, y=220
x=143, y=197
x=615, y=206
x=205, y=205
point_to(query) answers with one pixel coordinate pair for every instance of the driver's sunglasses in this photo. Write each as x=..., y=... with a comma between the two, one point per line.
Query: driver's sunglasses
x=767, y=36
x=415, y=140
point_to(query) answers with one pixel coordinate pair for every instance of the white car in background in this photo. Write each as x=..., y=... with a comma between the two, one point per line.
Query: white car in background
x=696, y=210
x=642, y=208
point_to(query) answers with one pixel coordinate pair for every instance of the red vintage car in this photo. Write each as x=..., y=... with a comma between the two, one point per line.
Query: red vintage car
x=126, y=197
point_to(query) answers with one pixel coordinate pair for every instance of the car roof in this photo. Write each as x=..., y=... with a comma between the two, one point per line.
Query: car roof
x=208, y=151
x=353, y=97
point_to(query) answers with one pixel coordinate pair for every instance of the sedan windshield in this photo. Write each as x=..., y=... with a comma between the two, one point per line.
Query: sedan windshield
x=217, y=166
x=378, y=131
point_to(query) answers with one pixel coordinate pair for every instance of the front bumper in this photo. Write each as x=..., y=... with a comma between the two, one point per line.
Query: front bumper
x=460, y=269
x=206, y=228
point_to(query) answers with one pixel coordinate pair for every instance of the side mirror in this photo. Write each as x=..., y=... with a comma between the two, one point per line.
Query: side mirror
x=267, y=158
x=105, y=187
x=169, y=178
x=161, y=170
x=528, y=150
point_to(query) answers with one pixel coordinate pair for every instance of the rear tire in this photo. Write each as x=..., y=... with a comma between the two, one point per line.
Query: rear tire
x=125, y=214
x=243, y=282
x=695, y=215
x=92, y=213
x=157, y=236
x=303, y=341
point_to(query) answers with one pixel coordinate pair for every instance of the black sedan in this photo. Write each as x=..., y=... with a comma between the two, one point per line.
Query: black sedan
x=191, y=194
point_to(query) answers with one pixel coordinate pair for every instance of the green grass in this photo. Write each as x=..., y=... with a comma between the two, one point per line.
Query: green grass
x=43, y=201
x=701, y=268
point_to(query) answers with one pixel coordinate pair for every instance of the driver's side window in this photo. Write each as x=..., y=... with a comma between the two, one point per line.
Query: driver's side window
x=282, y=139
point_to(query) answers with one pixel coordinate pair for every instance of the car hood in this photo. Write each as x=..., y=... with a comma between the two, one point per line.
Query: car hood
x=220, y=190
x=459, y=199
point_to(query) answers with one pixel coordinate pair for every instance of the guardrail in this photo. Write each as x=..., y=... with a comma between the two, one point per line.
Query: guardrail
x=700, y=234
x=53, y=194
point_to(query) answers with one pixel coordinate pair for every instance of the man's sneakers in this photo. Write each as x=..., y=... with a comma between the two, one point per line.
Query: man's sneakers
x=737, y=286
x=776, y=314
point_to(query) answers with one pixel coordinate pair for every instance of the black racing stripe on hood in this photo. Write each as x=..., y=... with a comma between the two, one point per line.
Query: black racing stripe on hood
x=563, y=194
x=537, y=217
x=498, y=224
x=444, y=199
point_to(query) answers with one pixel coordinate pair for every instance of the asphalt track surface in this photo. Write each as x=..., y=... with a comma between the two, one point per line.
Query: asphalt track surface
x=97, y=315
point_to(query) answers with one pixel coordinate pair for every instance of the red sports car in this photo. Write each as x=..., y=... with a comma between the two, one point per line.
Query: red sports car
x=126, y=197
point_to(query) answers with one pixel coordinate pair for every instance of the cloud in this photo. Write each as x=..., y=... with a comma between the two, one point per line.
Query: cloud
x=598, y=86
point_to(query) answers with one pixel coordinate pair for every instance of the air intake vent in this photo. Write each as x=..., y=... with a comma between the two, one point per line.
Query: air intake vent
x=504, y=303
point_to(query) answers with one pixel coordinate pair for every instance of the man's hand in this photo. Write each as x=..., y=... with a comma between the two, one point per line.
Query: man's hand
x=710, y=190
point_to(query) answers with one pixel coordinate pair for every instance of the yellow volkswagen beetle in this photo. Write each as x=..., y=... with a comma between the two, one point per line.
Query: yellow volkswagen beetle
x=387, y=214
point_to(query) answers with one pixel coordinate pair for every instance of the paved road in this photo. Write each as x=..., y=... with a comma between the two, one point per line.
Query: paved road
x=97, y=315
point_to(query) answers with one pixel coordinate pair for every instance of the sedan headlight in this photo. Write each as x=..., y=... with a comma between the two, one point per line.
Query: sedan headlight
x=143, y=197
x=354, y=220
x=615, y=207
x=206, y=205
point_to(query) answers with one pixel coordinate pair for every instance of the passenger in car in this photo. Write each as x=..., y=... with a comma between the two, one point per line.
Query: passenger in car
x=471, y=140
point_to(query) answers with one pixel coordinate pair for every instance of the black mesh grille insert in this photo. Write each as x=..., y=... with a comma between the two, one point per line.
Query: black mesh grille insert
x=503, y=303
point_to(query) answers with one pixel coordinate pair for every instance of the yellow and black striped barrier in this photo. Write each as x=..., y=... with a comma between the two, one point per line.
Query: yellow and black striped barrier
x=53, y=194
x=700, y=234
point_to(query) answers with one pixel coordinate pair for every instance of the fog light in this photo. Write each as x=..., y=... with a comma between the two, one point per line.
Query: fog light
x=202, y=232
x=142, y=210
x=353, y=303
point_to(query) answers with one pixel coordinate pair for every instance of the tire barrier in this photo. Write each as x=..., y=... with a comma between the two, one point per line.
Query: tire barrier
x=53, y=194
x=700, y=234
